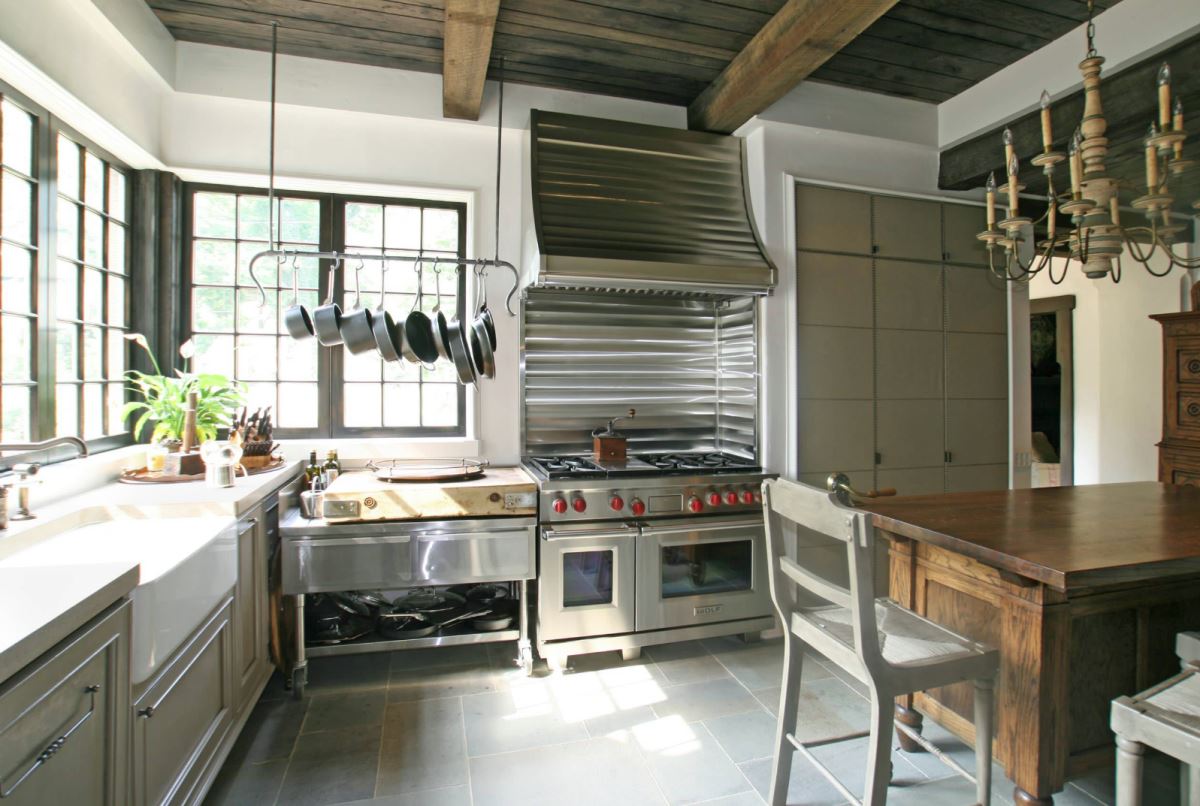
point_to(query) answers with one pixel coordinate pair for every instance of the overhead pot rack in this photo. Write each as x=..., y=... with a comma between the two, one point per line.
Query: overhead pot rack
x=479, y=362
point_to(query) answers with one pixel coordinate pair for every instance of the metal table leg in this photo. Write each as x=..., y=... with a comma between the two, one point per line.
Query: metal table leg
x=300, y=668
x=524, y=648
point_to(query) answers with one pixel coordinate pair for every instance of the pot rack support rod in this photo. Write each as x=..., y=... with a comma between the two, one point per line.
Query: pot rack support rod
x=283, y=255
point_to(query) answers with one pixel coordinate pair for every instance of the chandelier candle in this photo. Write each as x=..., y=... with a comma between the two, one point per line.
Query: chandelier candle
x=1014, y=168
x=1151, y=161
x=1164, y=97
x=991, y=201
x=1047, y=136
x=1177, y=125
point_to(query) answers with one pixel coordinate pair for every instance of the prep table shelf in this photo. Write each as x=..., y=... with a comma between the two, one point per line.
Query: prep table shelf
x=364, y=645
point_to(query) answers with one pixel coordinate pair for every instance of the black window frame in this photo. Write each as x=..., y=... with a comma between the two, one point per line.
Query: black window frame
x=329, y=360
x=48, y=127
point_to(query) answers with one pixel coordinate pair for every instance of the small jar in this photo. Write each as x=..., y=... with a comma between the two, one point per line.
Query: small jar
x=156, y=458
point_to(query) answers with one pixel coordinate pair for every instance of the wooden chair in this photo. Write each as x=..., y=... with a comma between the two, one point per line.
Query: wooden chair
x=1167, y=718
x=889, y=648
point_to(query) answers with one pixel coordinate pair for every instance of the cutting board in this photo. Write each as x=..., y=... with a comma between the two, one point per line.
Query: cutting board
x=500, y=491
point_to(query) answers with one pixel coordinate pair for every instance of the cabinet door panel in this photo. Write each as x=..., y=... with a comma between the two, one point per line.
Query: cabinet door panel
x=909, y=295
x=832, y=220
x=909, y=364
x=913, y=480
x=833, y=290
x=73, y=699
x=976, y=365
x=250, y=608
x=977, y=431
x=835, y=362
x=191, y=704
x=910, y=433
x=976, y=302
x=907, y=228
x=976, y=477
x=961, y=223
x=835, y=434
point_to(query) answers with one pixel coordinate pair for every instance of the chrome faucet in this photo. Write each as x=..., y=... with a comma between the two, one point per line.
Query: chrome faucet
x=20, y=475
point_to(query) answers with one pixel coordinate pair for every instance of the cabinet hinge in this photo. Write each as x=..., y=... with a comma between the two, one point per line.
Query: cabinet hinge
x=878, y=458
x=949, y=457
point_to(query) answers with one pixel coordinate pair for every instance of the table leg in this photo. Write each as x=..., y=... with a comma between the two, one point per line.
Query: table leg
x=1023, y=798
x=909, y=716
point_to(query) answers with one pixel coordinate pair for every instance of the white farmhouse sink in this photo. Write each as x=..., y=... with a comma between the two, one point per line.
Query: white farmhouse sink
x=187, y=565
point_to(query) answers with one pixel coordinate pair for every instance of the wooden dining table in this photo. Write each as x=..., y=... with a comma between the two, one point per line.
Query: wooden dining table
x=1082, y=589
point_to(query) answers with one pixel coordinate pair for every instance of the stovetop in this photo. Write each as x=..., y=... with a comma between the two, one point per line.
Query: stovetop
x=645, y=464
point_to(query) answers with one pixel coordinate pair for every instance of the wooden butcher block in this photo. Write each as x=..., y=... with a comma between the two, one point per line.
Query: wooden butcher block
x=500, y=491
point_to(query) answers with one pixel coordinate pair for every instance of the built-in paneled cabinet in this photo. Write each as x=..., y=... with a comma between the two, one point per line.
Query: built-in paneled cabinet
x=252, y=665
x=902, y=359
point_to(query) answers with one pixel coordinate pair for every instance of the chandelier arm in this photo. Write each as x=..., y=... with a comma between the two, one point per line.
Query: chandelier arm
x=1170, y=259
x=1063, y=277
x=1116, y=274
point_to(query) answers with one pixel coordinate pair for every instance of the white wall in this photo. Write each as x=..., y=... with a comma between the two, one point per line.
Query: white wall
x=1118, y=368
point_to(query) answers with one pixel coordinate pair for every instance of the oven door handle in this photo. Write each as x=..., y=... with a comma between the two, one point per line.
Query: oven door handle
x=752, y=523
x=555, y=535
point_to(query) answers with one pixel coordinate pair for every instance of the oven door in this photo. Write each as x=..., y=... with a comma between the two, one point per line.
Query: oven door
x=699, y=571
x=586, y=584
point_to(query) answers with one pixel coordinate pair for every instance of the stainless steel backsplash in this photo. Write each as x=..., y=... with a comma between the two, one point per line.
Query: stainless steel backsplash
x=688, y=364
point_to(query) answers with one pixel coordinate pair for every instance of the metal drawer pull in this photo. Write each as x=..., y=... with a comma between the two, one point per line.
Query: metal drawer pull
x=54, y=746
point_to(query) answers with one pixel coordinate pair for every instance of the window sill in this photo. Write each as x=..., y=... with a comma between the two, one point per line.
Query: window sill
x=357, y=450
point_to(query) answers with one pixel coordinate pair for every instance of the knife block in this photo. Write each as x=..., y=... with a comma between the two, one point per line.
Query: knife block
x=609, y=448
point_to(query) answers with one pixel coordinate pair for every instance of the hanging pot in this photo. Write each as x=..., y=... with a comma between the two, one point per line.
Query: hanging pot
x=441, y=335
x=460, y=351
x=357, y=328
x=296, y=318
x=389, y=338
x=327, y=319
x=481, y=349
x=484, y=315
x=418, y=330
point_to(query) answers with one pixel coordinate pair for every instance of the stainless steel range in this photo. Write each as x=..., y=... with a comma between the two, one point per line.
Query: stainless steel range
x=660, y=548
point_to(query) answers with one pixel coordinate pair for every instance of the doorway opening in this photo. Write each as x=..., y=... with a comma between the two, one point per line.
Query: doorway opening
x=1052, y=404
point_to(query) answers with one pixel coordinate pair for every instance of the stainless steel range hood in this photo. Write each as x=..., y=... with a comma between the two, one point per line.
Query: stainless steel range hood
x=623, y=205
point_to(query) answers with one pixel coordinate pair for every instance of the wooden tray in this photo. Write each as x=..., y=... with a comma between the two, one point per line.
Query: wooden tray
x=143, y=476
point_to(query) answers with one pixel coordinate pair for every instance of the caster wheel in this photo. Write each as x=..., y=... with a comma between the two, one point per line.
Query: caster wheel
x=557, y=663
x=299, y=681
x=526, y=661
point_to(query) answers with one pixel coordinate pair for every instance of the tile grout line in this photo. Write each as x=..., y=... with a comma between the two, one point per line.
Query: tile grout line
x=637, y=746
x=737, y=766
x=462, y=722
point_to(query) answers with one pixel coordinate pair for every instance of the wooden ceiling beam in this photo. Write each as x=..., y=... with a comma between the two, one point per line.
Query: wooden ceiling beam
x=801, y=37
x=467, y=49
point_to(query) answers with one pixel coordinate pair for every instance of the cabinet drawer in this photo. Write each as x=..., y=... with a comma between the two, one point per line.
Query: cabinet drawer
x=346, y=563
x=444, y=558
x=1186, y=477
x=1186, y=419
x=1187, y=362
x=181, y=719
x=62, y=734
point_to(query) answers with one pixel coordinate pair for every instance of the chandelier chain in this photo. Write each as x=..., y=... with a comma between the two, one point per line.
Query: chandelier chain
x=1091, y=29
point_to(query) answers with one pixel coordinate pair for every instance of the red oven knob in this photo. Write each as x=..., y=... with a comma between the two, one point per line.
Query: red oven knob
x=637, y=507
x=714, y=499
x=578, y=504
x=617, y=503
x=695, y=504
x=560, y=505
x=748, y=497
x=731, y=498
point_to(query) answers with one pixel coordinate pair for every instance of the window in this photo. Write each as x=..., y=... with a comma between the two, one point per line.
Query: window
x=18, y=260
x=91, y=299
x=64, y=281
x=236, y=335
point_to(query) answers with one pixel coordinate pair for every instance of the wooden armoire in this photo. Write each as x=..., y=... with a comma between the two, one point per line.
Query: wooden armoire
x=1179, y=451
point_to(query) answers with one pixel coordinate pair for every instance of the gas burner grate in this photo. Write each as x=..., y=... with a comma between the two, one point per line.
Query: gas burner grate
x=703, y=462
x=563, y=466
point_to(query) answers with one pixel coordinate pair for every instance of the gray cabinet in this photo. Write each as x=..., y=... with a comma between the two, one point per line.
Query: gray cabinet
x=902, y=358
x=251, y=662
x=184, y=714
x=907, y=228
x=64, y=720
x=832, y=220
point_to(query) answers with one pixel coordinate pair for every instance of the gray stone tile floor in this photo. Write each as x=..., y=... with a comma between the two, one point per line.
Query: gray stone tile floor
x=688, y=723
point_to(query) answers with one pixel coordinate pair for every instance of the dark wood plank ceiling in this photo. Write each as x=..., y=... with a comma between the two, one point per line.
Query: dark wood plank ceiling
x=655, y=50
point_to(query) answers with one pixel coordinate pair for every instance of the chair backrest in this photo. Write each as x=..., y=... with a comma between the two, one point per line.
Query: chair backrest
x=820, y=511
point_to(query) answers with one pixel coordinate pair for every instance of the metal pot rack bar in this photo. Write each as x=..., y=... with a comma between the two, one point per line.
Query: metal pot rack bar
x=284, y=255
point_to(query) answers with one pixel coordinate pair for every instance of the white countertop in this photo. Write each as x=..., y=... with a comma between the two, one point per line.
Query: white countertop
x=46, y=593
x=42, y=606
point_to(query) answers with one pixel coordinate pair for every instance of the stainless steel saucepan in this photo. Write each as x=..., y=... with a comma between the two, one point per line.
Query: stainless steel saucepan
x=358, y=332
x=327, y=319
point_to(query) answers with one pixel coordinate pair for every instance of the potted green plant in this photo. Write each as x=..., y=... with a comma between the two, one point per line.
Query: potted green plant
x=164, y=398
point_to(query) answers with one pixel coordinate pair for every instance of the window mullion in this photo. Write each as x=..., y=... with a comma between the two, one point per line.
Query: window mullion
x=47, y=249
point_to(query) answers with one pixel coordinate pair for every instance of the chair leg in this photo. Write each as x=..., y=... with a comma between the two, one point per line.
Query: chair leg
x=879, y=750
x=1191, y=785
x=983, y=741
x=789, y=704
x=1129, y=772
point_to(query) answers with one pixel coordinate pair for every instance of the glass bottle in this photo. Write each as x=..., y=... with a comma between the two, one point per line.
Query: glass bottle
x=332, y=468
x=313, y=470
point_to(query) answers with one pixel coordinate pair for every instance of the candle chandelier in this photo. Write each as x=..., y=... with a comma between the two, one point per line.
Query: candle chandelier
x=1097, y=237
